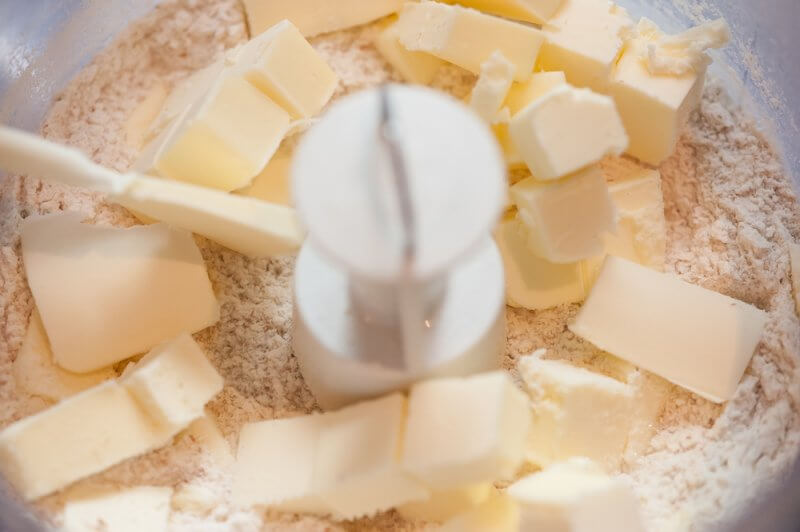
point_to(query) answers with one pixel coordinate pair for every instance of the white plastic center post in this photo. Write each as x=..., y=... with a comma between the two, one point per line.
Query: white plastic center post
x=399, y=279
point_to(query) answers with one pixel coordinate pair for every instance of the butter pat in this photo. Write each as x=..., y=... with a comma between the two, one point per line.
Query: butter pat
x=250, y=226
x=574, y=497
x=130, y=510
x=576, y=413
x=80, y=436
x=487, y=420
x=492, y=87
x=36, y=373
x=445, y=504
x=357, y=467
x=536, y=11
x=584, y=39
x=499, y=513
x=272, y=184
x=466, y=37
x=794, y=257
x=414, y=67
x=566, y=130
x=566, y=219
x=174, y=382
x=105, y=294
x=285, y=67
x=693, y=337
x=531, y=281
x=314, y=17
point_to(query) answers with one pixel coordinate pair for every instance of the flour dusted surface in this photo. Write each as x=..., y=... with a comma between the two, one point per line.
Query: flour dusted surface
x=731, y=213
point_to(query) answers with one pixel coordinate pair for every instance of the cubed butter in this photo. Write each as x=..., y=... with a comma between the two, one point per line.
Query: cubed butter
x=566, y=219
x=491, y=89
x=128, y=510
x=536, y=11
x=466, y=37
x=105, y=294
x=272, y=184
x=414, y=67
x=573, y=497
x=36, y=373
x=465, y=430
x=314, y=17
x=445, y=504
x=584, y=39
x=205, y=432
x=499, y=513
x=567, y=130
x=575, y=413
x=794, y=258
x=174, y=382
x=693, y=337
x=284, y=66
x=82, y=435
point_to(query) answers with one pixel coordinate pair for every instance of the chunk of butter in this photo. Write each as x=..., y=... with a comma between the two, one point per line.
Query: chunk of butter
x=137, y=287
x=357, y=469
x=566, y=130
x=491, y=89
x=794, y=258
x=128, y=510
x=206, y=433
x=499, y=513
x=414, y=67
x=487, y=420
x=574, y=497
x=284, y=66
x=693, y=337
x=566, y=219
x=466, y=37
x=584, y=39
x=272, y=184
x=445, y=504
x=174, y=382
x=575, y=413
x=36, y=373
x=82, y=435
x=536, y=11
x=314, y=17
x=653, y=107
x=531, y=281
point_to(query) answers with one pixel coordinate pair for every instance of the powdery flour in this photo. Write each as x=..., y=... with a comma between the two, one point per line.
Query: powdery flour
x=731, y=212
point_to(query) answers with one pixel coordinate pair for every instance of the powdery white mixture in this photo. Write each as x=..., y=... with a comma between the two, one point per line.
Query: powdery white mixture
x=730, y=210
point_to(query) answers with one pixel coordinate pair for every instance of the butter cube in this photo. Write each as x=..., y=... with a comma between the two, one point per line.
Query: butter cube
x=314, y=17
x=566, y=219
x=575, y=413
x=174, y=382
x=285, y=67
x=584, y=39
x=226, y=138
x=492, y=87
x=520, y=95
x=531, y=281
x=572, y=497
x=357, y=467
x=445, y=504
x=466, y=37
x=486, y=419
x=536, y=11
x=135, y=288
x=82, y=435
x=414, y=67
x=693, y=337
x=499, y=513
x=129, y=510
x=272, y=184
x=653, y=107
x=36, y=373
x=567, y=130
x=206, y=433
x=794, y=257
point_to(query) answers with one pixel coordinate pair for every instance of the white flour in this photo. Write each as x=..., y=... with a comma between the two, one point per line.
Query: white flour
x=730, y=211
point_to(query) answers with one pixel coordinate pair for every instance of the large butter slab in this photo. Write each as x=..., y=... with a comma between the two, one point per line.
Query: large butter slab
x=105, y=293
x=314, y=17
x=139, y=509
x=486, y=419
x=693, y=337
x=466, y=37
x=536, y=11
x=414, y=67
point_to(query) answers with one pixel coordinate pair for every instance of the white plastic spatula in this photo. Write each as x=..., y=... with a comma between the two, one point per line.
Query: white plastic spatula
x=247, y=225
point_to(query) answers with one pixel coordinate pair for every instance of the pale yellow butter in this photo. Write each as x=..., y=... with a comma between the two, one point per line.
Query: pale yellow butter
x=141, y=119
x=486, y=419
x=414, y=67
x=138, y=509
x=205, y=432
x=466, y=37
x=665, y=325
x=272, y=184
x=536, y=11
x=445, y=504
x=492, y=87
x=499, y=513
